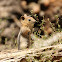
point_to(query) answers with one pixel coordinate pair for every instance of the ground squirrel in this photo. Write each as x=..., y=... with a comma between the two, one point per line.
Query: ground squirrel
x=25, y=32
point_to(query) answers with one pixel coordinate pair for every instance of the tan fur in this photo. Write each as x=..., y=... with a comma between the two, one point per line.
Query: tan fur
x=24, y=35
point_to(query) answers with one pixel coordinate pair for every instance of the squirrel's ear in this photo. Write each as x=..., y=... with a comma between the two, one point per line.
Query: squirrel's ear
x=25, y=15
x=22, y=17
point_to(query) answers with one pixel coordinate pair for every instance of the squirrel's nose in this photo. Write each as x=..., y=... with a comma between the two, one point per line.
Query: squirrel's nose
x=34, y=21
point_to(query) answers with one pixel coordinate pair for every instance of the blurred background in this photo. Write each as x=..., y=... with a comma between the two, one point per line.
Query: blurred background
x=48, y=12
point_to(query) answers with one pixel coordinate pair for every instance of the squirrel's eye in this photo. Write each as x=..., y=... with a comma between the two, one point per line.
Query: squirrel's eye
x=29, y=19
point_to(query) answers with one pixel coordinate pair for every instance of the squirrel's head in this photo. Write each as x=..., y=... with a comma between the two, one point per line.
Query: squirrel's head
x=27, y=21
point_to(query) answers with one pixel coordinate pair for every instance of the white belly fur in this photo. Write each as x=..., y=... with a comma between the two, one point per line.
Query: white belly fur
x=23, y=42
